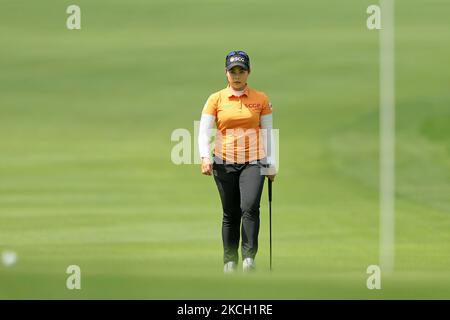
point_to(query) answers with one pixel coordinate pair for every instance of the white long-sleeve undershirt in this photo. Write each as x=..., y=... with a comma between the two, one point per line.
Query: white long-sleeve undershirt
x=204, y=134
x=207, y=124
x=237, y=93
x=266, y=122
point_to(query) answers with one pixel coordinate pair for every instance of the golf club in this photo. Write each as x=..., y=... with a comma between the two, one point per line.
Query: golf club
x=270, y=221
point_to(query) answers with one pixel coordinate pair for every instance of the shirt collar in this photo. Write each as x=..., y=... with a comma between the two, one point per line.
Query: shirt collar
x=230, y=92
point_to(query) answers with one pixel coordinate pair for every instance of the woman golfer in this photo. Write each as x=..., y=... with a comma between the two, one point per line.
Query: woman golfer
x=243, y=156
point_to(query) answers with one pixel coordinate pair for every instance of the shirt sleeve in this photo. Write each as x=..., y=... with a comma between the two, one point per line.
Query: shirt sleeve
x=267, y=107
x=210, y=106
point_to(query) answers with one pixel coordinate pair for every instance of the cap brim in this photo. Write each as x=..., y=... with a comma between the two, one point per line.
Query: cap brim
x=234, y=64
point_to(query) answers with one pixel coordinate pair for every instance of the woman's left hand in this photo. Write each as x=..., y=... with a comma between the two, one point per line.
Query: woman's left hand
x=271, y=177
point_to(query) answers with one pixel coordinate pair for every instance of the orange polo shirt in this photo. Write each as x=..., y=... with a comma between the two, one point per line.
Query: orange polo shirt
x=238, y=136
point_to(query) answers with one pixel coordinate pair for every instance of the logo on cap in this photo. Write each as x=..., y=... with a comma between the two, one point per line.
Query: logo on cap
x=240, y=59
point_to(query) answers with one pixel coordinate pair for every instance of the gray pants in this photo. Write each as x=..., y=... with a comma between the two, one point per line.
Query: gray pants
x=240, y=187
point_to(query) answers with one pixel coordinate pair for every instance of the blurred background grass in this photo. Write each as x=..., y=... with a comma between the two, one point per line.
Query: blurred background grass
x=85, y=170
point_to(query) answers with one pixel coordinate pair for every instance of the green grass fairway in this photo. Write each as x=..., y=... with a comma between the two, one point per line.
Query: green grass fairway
x=85, y=171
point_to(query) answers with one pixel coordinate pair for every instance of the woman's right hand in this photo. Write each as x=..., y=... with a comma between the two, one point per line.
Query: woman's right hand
x=206, y=166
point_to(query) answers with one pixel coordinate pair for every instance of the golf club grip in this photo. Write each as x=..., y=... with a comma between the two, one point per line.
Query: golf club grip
x=270, y=190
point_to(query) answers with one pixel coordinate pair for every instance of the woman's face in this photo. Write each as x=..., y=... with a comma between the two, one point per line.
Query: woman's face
x=237, y=78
